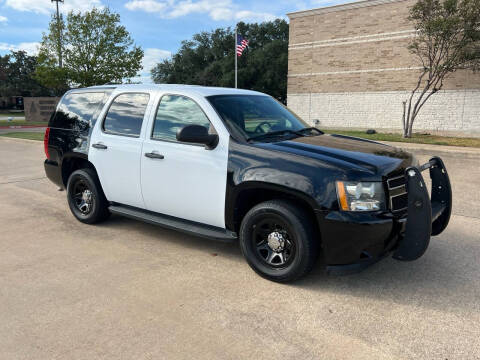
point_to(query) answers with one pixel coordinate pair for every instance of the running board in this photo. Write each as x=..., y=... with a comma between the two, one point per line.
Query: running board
x=170, y=222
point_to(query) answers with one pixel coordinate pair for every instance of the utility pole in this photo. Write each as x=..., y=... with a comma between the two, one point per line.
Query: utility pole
x=236, y=56
x=59, y=35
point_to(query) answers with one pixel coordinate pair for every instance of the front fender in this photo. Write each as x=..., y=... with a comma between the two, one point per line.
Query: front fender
x=292, y=172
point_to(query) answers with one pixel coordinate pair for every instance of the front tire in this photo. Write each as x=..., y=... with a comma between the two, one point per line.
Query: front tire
x=86, y=198
x=278, y=241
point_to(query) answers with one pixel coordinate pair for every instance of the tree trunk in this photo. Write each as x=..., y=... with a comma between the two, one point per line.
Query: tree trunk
x=409, y=116
x=410, y=127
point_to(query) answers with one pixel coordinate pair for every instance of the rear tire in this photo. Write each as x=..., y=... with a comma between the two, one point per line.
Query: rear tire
x=86, y=198
x=278, y=241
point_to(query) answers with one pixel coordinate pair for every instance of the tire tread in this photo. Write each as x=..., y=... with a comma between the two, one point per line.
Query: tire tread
x=300, y=220
x=101, y=212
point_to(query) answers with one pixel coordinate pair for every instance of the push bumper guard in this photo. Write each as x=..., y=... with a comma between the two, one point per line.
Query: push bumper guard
x=426, y=216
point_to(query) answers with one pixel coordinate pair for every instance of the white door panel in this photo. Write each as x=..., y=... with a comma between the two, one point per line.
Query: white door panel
x=118, y=168
x=190, y=181
x=118, y=165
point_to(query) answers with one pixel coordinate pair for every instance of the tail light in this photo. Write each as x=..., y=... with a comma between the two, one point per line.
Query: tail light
x=45, y=142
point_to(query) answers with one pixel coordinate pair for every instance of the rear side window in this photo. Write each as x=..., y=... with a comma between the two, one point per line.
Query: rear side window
x=125, y=115
x=78, y=111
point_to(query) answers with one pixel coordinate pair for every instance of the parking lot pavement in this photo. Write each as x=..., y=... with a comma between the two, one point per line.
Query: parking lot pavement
x=129, y=290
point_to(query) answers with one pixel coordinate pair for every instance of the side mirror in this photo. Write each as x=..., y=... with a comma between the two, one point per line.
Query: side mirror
x=197, y=134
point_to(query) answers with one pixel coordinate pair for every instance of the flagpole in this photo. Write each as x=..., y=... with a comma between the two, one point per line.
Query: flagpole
x=235, y=54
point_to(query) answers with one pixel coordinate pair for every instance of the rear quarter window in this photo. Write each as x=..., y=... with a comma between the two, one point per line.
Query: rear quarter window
x=126, y=113
x=78, y=111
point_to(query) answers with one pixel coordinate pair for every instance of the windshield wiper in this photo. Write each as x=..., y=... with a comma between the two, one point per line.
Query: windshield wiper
x=274, y=134
x=302, y=131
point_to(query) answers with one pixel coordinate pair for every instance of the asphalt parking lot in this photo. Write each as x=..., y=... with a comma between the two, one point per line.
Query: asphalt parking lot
x=129, y=290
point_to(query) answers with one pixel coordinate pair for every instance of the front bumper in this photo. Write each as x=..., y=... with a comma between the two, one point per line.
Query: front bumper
x=353, y=241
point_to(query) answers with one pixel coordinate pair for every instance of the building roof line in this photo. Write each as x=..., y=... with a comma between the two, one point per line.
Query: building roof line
x=341, y=7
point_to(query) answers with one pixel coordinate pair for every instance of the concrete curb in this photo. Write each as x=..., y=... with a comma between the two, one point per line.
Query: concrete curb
x=6, y=138
x=21, y=127
x=427, y=149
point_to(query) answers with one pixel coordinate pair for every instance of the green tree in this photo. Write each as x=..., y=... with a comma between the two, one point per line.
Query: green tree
x=17, y=72
x=447, y=40
x=48, y=73
x=208, y=59
x=96, y=50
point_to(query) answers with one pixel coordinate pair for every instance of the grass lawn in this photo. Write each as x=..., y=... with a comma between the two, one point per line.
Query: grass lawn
x=22, y=122
x=417, y=138
x=25, y=135
x=8, y=113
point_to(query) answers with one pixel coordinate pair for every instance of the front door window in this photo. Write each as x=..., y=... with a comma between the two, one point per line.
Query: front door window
x=173, y=113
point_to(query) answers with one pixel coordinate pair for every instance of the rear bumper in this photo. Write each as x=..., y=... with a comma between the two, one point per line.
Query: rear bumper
x=53, y=172
x=353, y=241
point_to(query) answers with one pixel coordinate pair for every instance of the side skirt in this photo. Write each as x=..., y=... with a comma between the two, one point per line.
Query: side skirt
x=170, y=222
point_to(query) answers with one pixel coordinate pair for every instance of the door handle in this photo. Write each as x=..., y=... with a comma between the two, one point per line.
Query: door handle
x=99, y=146
x=154, y=155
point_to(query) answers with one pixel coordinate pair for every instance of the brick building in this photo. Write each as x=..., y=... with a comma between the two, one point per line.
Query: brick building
x=349, y=66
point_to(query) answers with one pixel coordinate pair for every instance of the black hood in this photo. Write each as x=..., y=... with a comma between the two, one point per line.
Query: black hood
x=348, y=152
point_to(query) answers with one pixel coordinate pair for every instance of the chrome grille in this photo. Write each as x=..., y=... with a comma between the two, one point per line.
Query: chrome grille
x=397, y=193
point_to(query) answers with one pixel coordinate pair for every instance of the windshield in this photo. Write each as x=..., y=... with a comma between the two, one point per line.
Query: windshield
x=257, y=116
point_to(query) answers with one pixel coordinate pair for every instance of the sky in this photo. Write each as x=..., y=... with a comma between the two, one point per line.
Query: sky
x=158, y=26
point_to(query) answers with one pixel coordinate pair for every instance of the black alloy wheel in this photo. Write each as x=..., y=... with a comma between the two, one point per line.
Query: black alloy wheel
x=82, y=196
x=86, y=198
x=274, y=242
x=279, y=241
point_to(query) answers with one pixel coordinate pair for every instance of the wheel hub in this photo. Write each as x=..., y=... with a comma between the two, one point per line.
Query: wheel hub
x=87, y=196
x=276, y=241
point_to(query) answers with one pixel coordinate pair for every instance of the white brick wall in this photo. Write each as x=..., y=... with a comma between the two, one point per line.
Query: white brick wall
x=449, y=111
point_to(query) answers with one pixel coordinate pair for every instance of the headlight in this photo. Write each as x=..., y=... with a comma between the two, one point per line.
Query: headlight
x=360, y=196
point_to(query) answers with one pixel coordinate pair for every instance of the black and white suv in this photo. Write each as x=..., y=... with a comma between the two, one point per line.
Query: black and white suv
x=234, y=164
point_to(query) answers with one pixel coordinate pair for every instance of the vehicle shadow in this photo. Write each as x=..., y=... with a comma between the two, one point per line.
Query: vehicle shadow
x=447, y=274
x=446, y=277
x=230, y=250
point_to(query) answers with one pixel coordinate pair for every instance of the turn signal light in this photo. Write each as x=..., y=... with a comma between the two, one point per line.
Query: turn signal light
x=342, y=196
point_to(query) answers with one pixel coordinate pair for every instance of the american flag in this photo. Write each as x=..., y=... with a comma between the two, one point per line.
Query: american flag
x=241, y=45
